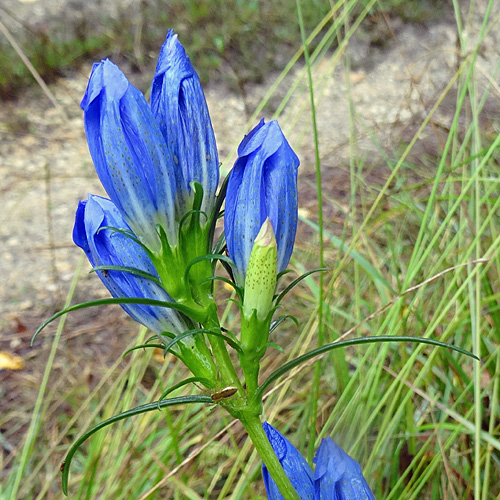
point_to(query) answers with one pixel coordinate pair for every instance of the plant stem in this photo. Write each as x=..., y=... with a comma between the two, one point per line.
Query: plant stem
x=219, y=350
x=256, y=433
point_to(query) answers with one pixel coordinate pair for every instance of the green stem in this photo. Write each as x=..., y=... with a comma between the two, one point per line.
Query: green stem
x=250, y=369
x=254, y=334
x=219, y=350
x=256, y=433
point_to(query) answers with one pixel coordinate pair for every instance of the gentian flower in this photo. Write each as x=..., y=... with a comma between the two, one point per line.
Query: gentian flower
x=294, y=464
x=107, y=247
x=130, y=154
x=179, y=105
x=159, y=166
x=148, y=159
x=337, y=476
x=262, y=184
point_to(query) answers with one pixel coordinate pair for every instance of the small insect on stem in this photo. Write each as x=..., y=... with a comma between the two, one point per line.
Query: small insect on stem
x=61, y=467
x=227, y=392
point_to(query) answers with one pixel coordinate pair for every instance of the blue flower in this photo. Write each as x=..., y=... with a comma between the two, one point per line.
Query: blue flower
x=179, y=105
x=105, y=247
x=263, y=183
x=130, y=154
x=336, y=477
x=149, y=158
x=104, y=236
x=293, y=463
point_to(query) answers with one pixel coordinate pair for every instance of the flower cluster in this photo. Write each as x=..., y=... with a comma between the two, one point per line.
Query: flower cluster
x=336, y=477
x=158, y=163
x=151, y=242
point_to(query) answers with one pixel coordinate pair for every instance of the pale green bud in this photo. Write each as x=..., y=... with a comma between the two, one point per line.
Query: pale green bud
x=260, y=281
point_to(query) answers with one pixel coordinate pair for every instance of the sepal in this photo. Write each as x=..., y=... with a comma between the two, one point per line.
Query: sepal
x=260, y=280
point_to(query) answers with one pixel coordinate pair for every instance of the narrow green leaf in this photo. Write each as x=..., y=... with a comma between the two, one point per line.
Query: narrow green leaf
x=277, y=322
x=142, y=346
x=118, y=300
x=239, y=304
x=189, y=380
x=188, y=214
x=346, y=343
x=131, y=270
x=276, y=346
x=210, y=256
x=228, y=268
x=286, y=271
x=295, y=282
x=128, y=234
x=220, y=245
x=129, y=413
x=218, y=204
x=197, y=189
x=232, y=342
x=229, y=282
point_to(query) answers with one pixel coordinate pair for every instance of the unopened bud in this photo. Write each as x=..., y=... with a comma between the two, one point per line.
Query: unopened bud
x=260, y=281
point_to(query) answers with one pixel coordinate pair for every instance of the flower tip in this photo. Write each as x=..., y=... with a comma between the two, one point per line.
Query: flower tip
x=336, y=469
x=107, y=77
x=173, y=55
x=265, y=237
x=79, y=234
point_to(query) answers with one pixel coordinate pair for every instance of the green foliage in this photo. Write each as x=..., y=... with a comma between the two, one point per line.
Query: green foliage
x=50, y=59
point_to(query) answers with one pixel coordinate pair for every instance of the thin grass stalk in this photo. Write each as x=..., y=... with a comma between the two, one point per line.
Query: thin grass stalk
x=37, y=415
x=491, y=427
x=317, y=369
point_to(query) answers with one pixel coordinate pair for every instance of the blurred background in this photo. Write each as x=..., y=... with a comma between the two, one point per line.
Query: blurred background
x=388, y=77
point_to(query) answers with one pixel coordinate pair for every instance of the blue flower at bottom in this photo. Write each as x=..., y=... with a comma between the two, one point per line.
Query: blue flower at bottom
x=293, y=463
x=337, y=476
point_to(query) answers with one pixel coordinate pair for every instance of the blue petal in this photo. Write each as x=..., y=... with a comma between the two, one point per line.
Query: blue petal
x=178, y=103
x=263, y=183
x=79, y=232
x=130, y=154
x=105, y=247
x=338, y=476
x=293, y=463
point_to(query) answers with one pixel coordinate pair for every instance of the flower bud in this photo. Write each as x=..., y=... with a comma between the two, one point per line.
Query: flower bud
x=263, y=183
x=260, y=281
x=178, y=104
x=130, y=154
